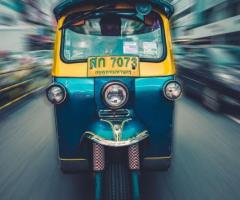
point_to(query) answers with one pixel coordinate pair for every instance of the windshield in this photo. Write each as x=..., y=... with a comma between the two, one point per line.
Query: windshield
x=110, y=34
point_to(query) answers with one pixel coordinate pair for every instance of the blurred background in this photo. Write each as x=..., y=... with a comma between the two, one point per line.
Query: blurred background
x=27, y=33
x=207, y=51
x=206, y=45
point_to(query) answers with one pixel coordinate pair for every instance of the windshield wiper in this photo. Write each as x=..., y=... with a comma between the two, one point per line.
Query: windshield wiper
x=84, y=16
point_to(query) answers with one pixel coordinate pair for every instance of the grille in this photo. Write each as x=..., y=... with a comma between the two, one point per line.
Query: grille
x=118, y=114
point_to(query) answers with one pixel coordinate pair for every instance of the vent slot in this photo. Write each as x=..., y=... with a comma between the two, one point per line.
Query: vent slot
x=121, y=113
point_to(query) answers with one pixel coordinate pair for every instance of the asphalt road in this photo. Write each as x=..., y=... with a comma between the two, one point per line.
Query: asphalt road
x=206, y=164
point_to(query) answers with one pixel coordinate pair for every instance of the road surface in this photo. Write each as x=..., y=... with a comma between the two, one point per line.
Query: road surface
x=206, y=164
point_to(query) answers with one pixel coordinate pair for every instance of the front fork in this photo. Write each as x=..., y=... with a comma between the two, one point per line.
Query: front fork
x=99, y=166
x=134, y=166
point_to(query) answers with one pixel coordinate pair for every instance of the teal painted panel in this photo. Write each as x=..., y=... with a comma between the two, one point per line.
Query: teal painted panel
x=79, y=113
x=74, y=115
x=156, y=112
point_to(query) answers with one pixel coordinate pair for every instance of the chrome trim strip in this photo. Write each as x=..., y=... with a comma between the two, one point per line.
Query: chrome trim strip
x=117, y=128
x=114, y=113
x=72, y=159
x=141, y=136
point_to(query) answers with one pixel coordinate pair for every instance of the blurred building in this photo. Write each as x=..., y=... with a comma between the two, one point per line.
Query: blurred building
x=12, y=29
x=25, y=26
x=207, y=51
x=206, y=21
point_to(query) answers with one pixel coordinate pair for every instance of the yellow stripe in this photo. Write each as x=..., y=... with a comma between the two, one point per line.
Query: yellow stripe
x=19, y=98
x=147, y=158
x=71, y=159
x=15, y=85
x=12, y=71
x=157, y=158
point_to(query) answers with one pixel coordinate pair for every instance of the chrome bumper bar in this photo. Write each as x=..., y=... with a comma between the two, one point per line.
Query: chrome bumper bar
x=95, y=138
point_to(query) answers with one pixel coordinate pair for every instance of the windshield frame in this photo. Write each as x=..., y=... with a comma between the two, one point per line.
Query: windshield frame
x=152, y=60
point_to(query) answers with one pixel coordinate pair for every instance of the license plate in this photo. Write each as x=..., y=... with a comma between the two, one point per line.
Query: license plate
x=113, y=66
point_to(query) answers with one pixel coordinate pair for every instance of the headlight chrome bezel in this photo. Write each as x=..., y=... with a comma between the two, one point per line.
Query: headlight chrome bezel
x=166, y=87
x=123, y=86
x=61, y=87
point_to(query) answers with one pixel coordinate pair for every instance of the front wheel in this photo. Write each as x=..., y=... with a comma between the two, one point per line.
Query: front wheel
x=117, y=182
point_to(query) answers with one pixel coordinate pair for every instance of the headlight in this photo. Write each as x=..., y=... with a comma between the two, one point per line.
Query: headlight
x=115, y=95
x=172, y=90
x=56, y=93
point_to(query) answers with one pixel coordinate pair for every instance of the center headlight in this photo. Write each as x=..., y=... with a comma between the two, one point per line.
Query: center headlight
x=115, y=95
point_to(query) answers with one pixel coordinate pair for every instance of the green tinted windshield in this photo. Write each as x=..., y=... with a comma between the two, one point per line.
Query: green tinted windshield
x=114, y=35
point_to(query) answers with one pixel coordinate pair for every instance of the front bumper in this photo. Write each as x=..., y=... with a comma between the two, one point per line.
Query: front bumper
x=118, y=133
x=133, y=140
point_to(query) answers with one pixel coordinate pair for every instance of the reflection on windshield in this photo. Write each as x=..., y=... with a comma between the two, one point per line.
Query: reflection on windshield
x=128, y=37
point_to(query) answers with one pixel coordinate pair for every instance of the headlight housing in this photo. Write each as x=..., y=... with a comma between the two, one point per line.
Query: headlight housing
x=172, y=90
x=115, y=95
x=56, y=93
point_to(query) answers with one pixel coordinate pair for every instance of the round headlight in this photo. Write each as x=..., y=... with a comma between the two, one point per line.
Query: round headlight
x=56, y=93
x=173, y=90
x=115, y=95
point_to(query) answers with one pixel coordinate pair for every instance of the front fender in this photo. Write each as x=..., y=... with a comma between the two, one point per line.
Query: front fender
x=109, y=133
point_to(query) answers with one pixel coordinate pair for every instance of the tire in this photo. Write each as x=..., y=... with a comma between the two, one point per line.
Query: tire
x=116, y=182
x=211, y=100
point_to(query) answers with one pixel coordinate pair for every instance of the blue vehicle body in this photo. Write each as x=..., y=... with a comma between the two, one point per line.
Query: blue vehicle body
x=149, y=108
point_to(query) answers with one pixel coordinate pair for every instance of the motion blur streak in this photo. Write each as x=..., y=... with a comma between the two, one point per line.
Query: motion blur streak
x=207, y=51
x=26, y=32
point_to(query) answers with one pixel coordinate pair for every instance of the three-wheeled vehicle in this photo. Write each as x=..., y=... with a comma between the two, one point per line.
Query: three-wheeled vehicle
x=113, y=91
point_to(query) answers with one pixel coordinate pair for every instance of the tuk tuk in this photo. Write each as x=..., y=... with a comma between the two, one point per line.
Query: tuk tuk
x=113, y=91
